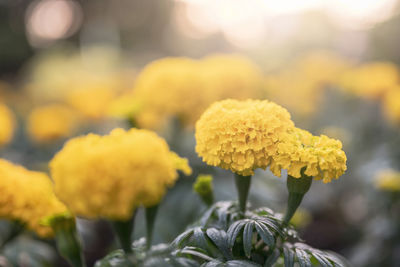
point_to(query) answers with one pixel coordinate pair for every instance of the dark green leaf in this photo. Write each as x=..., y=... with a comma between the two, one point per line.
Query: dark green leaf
x=182, y=237
x=288, y=256
x=302, y=258
x=220, y=239
x=248, y=238
x=212, y=264
x=234, y=231
x=265, y=234
x=115, y=258
x=199, y=238
x=320, y=257
x=195, y=252
x=183, y=262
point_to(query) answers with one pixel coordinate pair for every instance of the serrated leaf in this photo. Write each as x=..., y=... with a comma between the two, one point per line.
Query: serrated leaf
x=199, y=238
x=212, y=264
x=234, y=231
x=273, y=225
x=206, y=217
x=336, y=259
x=302, y=258
x=182, y=238
x=241, y=263
x=288, y=256
x=272, y=258
x=183, y=262
x=265, y=234
x=220, y=239
x=248, y=238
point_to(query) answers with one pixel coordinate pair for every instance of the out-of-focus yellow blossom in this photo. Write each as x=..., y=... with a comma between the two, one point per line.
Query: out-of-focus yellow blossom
x=170, y=87
x=241, y=135
x=91, y=100
x=203, y=184
x=321, y=157
x=28, y=197
x=301, y=218
x=109, y=176
x=321, y=67
x=388, y=180
x=7, y=125
x=371, y=80
x=51, y=122
x=231, y=76
x=182, y=88
x=391, y=104
x=294, y=91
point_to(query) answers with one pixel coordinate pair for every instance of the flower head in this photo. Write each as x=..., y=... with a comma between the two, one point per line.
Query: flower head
x=109, y=176
x=51, y=122
x=241, y=135
x=7, y=122
x=320, y=157
x=27, y=196
x=388, y=180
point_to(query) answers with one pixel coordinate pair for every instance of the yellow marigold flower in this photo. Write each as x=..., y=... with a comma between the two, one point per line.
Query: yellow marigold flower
x=388, y=180
x=169, y=87
x=241, y=135
x=370, y=80
x=27, y=196
x=109, y=176
x=231, y=76
x=7, y=122
x=51, y=122
x=391, y=104
x=92, y=101
x=321, y=157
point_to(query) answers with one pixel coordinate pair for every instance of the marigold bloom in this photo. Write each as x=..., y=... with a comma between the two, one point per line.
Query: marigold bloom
x=245, y=135
x=51, y=122
x=27, y=196
x=388, y=180
x=241, y=135
x=7, y=125
x=169, y=87
x=320, y=157
x=370, y=80
x=109, y=176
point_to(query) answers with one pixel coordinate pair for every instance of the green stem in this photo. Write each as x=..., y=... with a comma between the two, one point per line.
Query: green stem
x=68, y=243
x=297, y=188
x=242, y=186
x=150, y=214
x=123, y=231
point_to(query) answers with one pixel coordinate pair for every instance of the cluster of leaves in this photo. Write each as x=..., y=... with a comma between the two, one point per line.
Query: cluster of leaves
x=226, y=237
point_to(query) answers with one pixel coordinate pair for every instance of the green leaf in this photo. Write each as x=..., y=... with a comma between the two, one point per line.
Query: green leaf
x=234, y=231
x=114, y=259
x=288, y=256
x=303, y=258
x=220, y=239
x=265, y=234
x=248, y=238
x=195, y=252
x=182, y=262
x=199, y=238
x=272, y=258
x=212, y=264
x=272, y=224
x=320, y=257
x=182, y=238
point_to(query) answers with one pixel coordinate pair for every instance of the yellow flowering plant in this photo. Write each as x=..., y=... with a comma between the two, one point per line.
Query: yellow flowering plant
x=7, y=122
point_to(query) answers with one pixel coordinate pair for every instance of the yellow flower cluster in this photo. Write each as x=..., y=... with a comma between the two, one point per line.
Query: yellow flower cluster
x=7, y=125
x=182, y=88
x=28, y=197
x=241, y=135
x=388, y=180
x=109, y=176
x=51, y=122
x=245, y=135
x=320, y=157
x=371, y=80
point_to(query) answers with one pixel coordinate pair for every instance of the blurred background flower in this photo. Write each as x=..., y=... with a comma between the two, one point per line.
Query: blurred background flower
x=71, y=67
